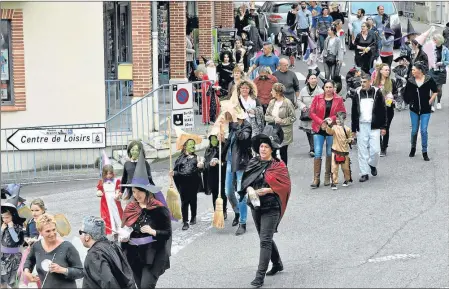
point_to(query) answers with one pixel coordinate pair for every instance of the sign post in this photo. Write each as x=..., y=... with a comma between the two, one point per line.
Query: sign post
x=58, y=138
x=182, y=106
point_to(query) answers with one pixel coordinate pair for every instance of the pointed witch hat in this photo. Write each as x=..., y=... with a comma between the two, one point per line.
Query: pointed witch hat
x=410, y=29
x=10, y=205
x=104, y=158
x=388, y=30
x=422, y=38
x=206, y=61
x=183, y=137
x=140, y=178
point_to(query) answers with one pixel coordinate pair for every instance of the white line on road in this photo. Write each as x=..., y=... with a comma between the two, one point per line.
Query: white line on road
x=394, y=257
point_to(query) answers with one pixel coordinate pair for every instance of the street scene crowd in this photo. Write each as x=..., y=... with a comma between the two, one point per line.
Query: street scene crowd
x=255, y=104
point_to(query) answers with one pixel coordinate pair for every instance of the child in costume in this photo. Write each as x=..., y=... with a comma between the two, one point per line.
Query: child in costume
x=187, y=176
x=401, y=72
x=134, y=149
x=210, y=92
x=12, y=238
x=211, y=167
x=108, y=189
x=340, y=149
x=37, y=208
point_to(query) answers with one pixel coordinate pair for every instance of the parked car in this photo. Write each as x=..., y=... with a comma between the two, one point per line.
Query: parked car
x=272, y=17
x=349, y=9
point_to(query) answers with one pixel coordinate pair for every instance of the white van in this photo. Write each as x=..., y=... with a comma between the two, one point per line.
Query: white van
x=350, y=8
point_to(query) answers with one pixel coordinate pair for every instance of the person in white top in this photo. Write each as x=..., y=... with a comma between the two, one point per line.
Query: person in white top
x=369, y=121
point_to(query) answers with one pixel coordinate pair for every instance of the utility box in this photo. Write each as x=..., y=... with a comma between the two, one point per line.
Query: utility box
x=125, y=71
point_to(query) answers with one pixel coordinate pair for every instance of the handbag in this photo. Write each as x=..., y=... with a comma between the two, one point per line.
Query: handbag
x=330, y=59
x=305, y=115
x=339, y=159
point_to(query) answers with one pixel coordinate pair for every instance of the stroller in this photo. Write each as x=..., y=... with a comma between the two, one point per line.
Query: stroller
x=289, y=42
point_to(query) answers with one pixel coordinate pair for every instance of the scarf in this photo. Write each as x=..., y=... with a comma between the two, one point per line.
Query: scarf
x=310, y=89
x=133, y=210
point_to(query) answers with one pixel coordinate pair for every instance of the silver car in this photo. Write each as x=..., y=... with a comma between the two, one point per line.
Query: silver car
x=272, y=17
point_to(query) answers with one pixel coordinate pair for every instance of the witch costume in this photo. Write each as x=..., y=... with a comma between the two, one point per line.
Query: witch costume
x=148, y=256
x=272, y=174
x=187, y=177
x=12, y=238
x=212, y=165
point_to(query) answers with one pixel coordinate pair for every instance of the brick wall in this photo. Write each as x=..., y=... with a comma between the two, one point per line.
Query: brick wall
x=217, y=12
x=17, y=52
x=227, y=15
x=178, y=24
x=206, y=13
x=141, y=47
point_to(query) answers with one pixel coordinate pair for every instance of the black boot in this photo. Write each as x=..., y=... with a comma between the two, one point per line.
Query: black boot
x=275, y=268
x=193, y=221
x=425, y=156
x=241, y=230
x=185, y=226
x=258, y=281
x=235, y=222
x=412, y=152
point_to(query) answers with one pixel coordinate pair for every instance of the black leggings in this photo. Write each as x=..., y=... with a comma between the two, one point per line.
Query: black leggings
x=384, y=139
x=144, y=278
x=440, y=92
x=283, y=152
x=387, y=59
x=192, y=200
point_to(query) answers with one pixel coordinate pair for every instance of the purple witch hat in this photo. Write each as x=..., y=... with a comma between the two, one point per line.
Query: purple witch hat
x=141, y=180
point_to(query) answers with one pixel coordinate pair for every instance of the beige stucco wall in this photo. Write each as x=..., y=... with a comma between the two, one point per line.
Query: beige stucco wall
x=64, y=60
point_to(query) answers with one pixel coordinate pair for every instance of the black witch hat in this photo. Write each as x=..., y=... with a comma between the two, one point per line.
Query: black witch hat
x=206, y=61
x=10, y=205
x=272, y=135
x=140, y=177
x=410, y=29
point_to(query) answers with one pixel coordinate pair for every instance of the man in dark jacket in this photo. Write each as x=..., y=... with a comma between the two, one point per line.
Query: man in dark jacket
x=237, y=153
x=369, y=121
x=105, y=265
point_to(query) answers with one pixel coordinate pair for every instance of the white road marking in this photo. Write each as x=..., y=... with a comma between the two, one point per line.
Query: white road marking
x=394, y=257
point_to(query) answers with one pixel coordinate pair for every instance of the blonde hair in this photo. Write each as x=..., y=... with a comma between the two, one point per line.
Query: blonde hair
x=38, y=202
x=44, y=220
x=439, y=39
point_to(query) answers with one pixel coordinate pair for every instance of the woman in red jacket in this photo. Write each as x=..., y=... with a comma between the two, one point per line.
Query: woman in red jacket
x=324, y=108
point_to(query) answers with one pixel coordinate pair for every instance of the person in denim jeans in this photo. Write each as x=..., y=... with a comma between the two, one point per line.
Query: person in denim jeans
x=237, y=152
x=420, y=92
x=324, y=22
x=324, y=107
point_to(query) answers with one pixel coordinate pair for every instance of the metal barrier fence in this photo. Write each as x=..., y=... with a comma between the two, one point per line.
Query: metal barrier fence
x=143, y=118
x=119, y=94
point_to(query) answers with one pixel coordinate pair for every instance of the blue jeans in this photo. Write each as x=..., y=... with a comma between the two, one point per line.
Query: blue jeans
x=318, y=142
x=321, y=40
x=239, y=207
x=418, y=120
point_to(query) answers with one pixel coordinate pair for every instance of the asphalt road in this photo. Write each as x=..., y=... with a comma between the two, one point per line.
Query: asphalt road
x=391, y=231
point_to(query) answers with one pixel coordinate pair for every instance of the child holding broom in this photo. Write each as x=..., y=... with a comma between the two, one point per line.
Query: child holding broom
x=211, y=166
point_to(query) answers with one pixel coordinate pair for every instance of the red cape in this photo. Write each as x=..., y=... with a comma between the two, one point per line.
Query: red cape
x=278, y=179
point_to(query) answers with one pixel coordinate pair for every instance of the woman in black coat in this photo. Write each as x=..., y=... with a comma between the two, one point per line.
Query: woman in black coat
x=365, y=43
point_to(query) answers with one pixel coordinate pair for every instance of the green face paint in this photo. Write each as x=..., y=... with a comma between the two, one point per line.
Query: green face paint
x=190, y=146
x=214, y=141
x=135, y=152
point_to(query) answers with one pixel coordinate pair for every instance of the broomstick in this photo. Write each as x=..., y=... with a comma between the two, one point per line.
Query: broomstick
x=218, y=221
x=173, y=198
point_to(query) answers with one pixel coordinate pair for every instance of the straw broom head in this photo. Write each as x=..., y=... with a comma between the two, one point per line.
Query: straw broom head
x=218, y=221
x=173, y=203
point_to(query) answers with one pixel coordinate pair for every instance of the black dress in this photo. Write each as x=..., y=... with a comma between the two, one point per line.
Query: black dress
x=225, y=77
x=212, y=174
x=364, y=61
x=188, y=181
x=149, y=261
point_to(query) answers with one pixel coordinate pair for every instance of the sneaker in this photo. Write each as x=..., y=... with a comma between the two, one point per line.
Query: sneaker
x=193, y=221
x=345, y=184
x=383, y=153
x=185, y=226
x=433, y=108
x=364, y=178
x=438, y=106
x=373, y=171
x=334, y=187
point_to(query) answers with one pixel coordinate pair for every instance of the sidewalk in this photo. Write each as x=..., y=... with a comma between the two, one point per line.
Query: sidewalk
x=421, y=26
